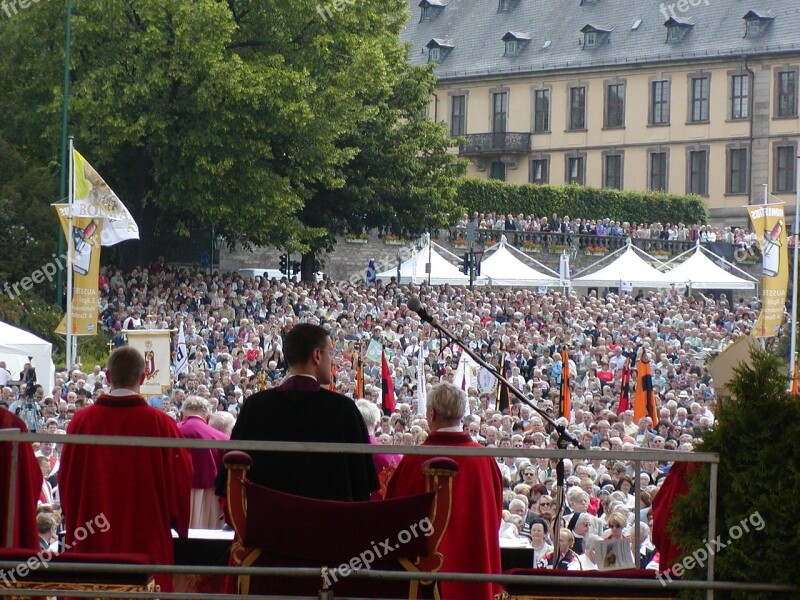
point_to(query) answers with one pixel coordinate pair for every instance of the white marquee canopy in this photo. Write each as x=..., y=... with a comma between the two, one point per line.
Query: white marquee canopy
x=503, y=268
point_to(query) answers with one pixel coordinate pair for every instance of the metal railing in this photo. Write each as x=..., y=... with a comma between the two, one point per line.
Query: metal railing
x=552, y=241
x=487, y=143
x=635, y=457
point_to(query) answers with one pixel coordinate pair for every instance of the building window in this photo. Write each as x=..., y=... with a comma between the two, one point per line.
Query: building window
x=699, y=101
x=785, y=178
x=512, y=47
x=540, y=171
x=698, y=172
x=658, y=172
x=615, y=105
x=590, y=39
x=786, y=104
x=505, y=5
x=737, y=171
x=577, y=108
x=458, y=116
x=740, y=96
x=659, y=102
x=541, y=111
x=674, y=33
x=426, y=14
x=613, y=171
x=576, y=167
x=499, y=112
x=497, y=170
x=434, y=54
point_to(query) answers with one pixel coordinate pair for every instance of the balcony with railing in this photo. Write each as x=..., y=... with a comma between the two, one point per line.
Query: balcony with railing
x=496, y=143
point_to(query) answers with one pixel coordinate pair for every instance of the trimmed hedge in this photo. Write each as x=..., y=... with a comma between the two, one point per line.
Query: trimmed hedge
x=489, y=195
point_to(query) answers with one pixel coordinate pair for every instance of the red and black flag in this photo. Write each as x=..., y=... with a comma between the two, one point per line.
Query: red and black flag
x=387, y=386
x=625, y=390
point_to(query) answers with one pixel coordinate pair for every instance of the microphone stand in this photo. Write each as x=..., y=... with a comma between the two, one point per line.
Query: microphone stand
x=564, y=437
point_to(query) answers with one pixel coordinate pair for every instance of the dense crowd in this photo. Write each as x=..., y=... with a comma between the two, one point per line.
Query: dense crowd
x=680, y=232
x=235, y=328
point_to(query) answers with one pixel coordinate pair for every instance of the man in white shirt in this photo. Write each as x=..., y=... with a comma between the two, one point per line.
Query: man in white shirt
x=5, y=374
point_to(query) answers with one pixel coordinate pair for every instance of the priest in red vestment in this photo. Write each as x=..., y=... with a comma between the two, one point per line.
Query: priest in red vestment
x=302, y=409
x=471, y=543
x=139, y=493
x=29, y=486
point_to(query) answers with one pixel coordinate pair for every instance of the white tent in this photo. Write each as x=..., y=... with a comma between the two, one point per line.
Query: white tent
x=700, y=272
x=503, y=268
x=442, y=271
x=629, y=268
x=16, y=345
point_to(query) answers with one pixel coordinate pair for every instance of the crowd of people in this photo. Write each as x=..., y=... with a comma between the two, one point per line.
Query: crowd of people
x=236, y=328
x=681, y=232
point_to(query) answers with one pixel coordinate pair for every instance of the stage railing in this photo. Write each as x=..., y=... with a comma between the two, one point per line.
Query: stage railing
x=636, y=457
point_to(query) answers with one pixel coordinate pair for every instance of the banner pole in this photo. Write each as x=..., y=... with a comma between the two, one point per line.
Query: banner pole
x=793, y=340
x=70, y=252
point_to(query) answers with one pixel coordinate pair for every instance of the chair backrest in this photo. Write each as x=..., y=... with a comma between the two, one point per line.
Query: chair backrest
x=289, y=528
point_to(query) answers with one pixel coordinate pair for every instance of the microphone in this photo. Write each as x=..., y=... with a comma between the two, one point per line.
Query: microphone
x=415, y=306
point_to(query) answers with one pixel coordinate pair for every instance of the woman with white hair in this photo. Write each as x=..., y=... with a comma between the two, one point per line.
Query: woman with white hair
x=385, y=464
x=587, y=561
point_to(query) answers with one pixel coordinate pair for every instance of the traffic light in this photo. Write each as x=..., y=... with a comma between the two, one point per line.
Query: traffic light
x=466, y=263
x=295, y=267
x=284, y=264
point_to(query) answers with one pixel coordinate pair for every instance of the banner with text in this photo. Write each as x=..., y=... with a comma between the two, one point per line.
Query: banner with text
x=154, y=345
x=86, y=235
x=769, y=226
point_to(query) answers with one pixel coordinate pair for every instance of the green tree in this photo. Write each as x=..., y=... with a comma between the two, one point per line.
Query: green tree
x=238, y=114
x=759, y=482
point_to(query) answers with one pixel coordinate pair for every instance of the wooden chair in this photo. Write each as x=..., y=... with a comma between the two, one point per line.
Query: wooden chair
x=273, y=528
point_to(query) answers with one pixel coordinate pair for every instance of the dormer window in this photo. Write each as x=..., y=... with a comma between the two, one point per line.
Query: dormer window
x=757, y=23
x=677, y=29
x=430, y=9
x=438, y=50
x=593, y=36
x=506, y=5
x=515, y=42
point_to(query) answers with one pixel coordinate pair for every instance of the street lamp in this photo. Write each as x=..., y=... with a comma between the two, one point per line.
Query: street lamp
x=219, y=241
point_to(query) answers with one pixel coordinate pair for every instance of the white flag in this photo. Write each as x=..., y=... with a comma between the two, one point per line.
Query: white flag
x=93, y=198
x=181, y=356
x=422, y=393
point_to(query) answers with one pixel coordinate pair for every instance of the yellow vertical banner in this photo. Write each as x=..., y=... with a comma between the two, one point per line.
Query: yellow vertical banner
x=769, y=226
x=154, y=344
x=86, y=234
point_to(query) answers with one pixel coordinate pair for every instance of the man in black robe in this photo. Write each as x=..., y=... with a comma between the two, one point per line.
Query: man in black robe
x=303, y=410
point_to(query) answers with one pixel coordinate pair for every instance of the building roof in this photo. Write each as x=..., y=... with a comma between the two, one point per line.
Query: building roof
x=478, y=29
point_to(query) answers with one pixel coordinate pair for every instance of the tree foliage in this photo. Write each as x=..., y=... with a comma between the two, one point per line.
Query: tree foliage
x=759, y=472
x=247, y=115
x=487, y=195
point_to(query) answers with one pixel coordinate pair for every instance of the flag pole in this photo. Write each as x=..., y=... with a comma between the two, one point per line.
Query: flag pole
x=793, y=340
x=70, y=252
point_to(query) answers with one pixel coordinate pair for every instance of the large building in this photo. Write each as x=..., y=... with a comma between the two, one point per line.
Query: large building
x=692, y=96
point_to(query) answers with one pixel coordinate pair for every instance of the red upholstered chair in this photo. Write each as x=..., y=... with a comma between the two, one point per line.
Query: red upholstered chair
x=276, y=529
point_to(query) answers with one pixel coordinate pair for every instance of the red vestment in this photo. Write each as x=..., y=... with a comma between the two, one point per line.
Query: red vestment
x=470, y=544
x=140, y=492
x=29, y=486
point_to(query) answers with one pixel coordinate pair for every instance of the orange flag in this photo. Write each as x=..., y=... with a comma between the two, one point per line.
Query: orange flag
x=794, y=380
x=359, y=393
x=644, y=404
x=566, y=395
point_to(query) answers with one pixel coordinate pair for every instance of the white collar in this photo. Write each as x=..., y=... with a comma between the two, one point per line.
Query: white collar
x=123, y=392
